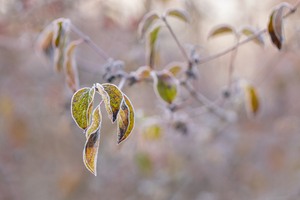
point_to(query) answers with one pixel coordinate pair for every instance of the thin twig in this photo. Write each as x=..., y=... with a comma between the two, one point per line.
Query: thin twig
x=122, y=82
x=91, y=43
x=164, y=19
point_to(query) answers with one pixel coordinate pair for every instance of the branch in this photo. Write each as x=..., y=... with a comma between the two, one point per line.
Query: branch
x=89, y=42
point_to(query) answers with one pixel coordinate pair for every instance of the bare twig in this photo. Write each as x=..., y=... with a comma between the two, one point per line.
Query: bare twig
x=91, y=43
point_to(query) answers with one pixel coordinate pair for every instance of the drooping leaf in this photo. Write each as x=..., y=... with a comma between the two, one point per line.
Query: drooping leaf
x=81, y=106
x=252, y=99
x=249, y=32
x=112, y=97
x=96, y=122
x=165, y=86
x=153, y=35
x=70, y=67
x=90, y=152
x=175, y=68
x=147, y=22
x=179, y=14
x=60, y=38
x=44, y=41
x=221, y=30
x=125, y=120
x=275, y=26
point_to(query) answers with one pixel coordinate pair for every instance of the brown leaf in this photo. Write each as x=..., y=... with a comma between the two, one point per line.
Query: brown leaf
x=90, y=152
x=70, y=66
x=275, y=27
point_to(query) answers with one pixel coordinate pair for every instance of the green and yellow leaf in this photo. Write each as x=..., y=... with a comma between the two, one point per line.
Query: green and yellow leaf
x=249, y=32
x=125, y=120
x=252, y=99
x=82, y=105
x=165, y=86
x=175, y=68
x=153, y=35
x=112, y=97
x=96, y=122
x=90, y=152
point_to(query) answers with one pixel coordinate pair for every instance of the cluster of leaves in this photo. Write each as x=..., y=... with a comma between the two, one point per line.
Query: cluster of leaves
x=118, y=107
x=54, y=42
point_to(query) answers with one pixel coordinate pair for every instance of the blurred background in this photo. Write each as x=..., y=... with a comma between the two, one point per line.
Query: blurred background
x=195, y=156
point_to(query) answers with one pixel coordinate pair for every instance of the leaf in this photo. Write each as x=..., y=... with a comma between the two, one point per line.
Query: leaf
x=179, y=14
x=165, y=86
x=221, y=30
x=96, y=122
x=61, y=32
x=252, y=99
x=249, y=32
x=152, y=41
x=175, y=68
x=125, y=120
x=44, y=41
x=275, y=26
x=81, y=106
x=153, y=132
x=90, y=152
x=61, y=28
x=112, y=97
x=147, y=22
x=142, y=73
x=70, y=66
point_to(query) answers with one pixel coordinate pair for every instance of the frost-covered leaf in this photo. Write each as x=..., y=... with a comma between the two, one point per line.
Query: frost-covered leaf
x=175, y=68
x=61, y=29
x=153, y=35
x=249, y=32
x=165, y=86
x=221, y=30
x=82, y=105
x=142, y=73
x=96, y=122
x=90, y=152
x=147, y=22
x=44, y=41
x=70, y=66
x=179, y=14
x=125, y=119
x=112, y=97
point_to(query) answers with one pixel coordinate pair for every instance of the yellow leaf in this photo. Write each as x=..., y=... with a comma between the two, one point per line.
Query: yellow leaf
x=112, y=97
x=252, y=99
x=221, y=30
x=96, y=122
x=90, y=152
x=125, y=120
x=179, y=14
x=70, y=66
x=250, y=31
x=175, y=68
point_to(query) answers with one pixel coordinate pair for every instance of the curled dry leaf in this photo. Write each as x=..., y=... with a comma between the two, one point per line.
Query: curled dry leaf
x=61, y=29
x=44, y=41
x=252, y=99
x=165, y=86
x=179, y=14
x=125, y=120
x=249, y=31
x=275, y=26
x=152, y=41
x=90, y=151
x=70, y=66
x=82, y=105
x=147, y=22
x=221, y=30
x=112, y=97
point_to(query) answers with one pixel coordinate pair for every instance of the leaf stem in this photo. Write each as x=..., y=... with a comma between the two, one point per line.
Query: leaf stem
x=164, y=19
x=89, y=42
